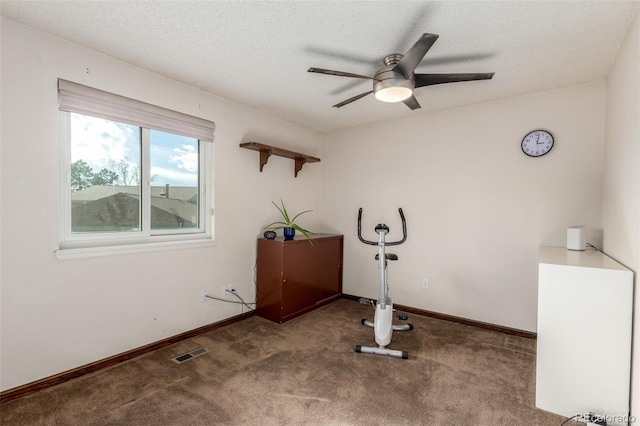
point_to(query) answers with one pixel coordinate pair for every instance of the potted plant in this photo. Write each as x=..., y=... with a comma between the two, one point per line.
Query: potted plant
x=288, y=224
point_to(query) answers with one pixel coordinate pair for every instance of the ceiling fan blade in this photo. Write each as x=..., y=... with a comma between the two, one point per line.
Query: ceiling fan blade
x=355, y=98
x=419, y=19
x=350, y=58
x=412, y=102
x=412, y=58
x=431, y=79
x=338, y=73
x=349, y=86
x=456, y=59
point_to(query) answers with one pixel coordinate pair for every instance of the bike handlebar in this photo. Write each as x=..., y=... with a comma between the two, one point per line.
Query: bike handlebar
x=375, y=243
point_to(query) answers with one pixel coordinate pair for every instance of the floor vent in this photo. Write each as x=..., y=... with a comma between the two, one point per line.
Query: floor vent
x=189, y=355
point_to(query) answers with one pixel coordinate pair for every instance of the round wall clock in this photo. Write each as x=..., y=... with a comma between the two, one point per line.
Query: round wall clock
x=537, y=143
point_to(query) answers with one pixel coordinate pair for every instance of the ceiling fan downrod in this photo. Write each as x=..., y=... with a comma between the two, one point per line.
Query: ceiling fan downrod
x=392, y=59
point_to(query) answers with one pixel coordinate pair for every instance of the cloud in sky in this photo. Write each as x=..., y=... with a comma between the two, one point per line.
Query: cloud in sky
x=186, y=157
x=101, y=143
x=104, y=144
x=174, y=159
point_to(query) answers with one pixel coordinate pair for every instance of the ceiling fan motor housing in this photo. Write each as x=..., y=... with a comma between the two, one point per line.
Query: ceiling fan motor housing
x=390, y=85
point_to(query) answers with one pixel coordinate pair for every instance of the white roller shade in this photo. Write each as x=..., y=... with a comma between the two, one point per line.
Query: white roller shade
x=86, y=100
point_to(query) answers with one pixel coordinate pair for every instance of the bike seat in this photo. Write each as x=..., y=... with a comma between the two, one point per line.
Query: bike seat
x=388, y=256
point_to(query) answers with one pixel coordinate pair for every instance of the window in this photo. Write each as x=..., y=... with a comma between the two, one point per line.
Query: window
x=133, y=173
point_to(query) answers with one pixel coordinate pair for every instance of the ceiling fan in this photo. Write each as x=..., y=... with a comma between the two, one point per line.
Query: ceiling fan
x=396, y=81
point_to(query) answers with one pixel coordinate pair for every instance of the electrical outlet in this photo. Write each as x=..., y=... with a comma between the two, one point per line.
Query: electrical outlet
x=205, y=293
x=425, y=283
x=229, y=288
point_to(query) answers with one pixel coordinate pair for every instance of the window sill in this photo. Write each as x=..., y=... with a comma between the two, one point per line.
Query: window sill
x=84, y=252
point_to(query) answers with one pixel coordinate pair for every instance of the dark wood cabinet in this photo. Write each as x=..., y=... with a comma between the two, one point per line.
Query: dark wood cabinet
x=295, y=277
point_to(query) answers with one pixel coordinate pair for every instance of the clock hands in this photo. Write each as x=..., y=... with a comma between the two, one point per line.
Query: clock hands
x=531, y=144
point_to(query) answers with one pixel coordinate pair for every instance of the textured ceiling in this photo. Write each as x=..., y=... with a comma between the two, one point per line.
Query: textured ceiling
x=257, y=52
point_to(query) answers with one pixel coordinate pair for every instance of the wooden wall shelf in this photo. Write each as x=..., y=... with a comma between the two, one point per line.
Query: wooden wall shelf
x=267, y=150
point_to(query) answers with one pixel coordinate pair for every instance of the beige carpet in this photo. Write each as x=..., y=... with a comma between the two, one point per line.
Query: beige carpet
x=307, y=372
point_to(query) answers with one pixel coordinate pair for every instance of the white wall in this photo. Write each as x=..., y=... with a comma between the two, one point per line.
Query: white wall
x=621, y=199
x=57, y=315
x=477, y=208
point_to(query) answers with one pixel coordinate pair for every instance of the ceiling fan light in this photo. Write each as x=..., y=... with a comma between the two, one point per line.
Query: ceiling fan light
x=392, y=90
x=393, y=94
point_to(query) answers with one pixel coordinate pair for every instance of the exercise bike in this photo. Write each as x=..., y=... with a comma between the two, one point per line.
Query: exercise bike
x=383, y=320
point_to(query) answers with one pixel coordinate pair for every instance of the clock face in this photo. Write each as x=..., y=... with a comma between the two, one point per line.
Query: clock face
x=537, y=143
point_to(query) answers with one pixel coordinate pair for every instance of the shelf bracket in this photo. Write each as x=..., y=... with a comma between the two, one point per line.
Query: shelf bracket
x=264, y=157
x=298, y=166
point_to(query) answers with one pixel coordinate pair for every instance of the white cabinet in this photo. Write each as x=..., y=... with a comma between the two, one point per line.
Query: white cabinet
x=584, y=334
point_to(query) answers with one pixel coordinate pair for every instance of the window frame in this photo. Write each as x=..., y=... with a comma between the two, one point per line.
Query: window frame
x=72, y=245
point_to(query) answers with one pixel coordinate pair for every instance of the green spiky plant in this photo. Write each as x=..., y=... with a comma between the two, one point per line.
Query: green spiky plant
x=289, y=222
